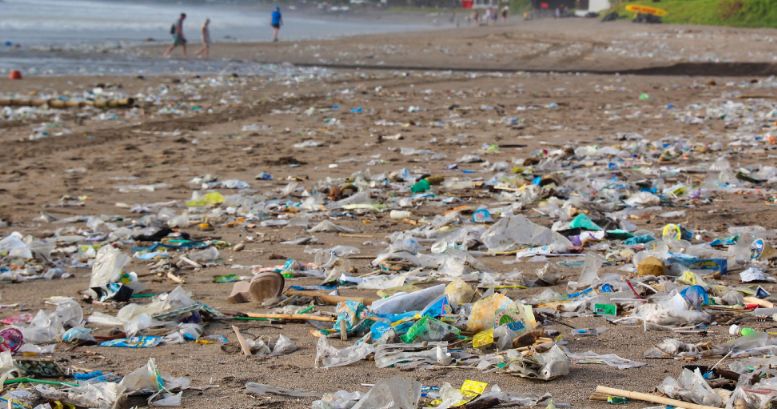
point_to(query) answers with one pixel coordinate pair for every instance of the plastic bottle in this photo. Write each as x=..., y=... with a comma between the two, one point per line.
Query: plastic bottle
x=403, y=302
x=742, y=331
x=400, y=214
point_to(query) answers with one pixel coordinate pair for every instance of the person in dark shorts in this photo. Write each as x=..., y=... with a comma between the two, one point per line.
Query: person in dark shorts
x=178, y=37
x=276, y=21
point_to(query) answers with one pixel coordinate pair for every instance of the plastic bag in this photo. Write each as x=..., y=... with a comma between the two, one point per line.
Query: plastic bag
x=15, y=247
x=169, y=400
x=393, y=393
x=283, y=345
x=326, y=226
x=45, y=328
x=338, y=400
x=449, y=396
x=77, y=335
x=459, y=292
x=483, y=313
x=671, y=311
x=429, y=329
x=328, y=356
x=208, y=199
x=690, y=387
x=545, y=366
x=107, y=267
x=69, y=311
x=412, y=356
x=207, y=255
x=102, y=395
x=590, y=357
x=262, y=389
x=148, y=378
x=589, y=274
x=513, y=231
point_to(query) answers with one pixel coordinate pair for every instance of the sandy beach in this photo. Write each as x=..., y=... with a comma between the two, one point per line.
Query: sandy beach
x=361, y=101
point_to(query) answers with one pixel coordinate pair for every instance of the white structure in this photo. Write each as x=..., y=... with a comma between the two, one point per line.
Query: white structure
x=595, y=6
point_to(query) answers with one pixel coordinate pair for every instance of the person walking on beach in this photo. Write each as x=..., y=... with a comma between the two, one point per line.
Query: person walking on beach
x=205, y=37
x=276, y=21
x=178, y=38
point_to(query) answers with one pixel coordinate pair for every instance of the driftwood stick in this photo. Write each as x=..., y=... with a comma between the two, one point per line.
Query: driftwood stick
x=646, y=397
x=291, y=317
x=242, y=341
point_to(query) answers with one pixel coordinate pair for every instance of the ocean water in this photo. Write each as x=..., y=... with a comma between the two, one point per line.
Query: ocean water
x=68, y=21
x=40, y=36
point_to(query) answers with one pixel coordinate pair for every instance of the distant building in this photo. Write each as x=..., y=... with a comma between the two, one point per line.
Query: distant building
x=592, y=6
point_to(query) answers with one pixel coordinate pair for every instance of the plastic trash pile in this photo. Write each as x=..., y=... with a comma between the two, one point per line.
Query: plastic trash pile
x=607, y=233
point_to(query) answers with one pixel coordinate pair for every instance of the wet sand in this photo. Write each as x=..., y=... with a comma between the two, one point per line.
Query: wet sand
x=568, y=45
x=196, y=127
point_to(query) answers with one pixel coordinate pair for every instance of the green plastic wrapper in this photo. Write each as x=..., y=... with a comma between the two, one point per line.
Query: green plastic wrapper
x=429, y=329
x=582, y=221
x=226, y=278
x=420, y=186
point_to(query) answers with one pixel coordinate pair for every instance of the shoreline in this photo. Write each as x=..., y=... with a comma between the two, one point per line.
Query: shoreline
x=530, y=46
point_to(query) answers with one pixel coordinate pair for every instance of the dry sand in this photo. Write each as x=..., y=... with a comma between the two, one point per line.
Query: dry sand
x=158, y=148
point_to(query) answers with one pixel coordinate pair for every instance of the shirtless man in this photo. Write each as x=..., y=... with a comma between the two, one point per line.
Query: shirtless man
x=205, y=37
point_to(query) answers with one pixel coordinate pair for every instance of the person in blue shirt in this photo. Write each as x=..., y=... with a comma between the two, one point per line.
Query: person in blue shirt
x=276, y=23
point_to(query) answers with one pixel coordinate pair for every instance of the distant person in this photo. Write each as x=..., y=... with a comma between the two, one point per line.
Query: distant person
x=205, y=37
x=505, y=12
x=276, y=21
x=178, y=37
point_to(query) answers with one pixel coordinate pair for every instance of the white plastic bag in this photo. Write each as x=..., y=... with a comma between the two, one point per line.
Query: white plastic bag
x=108, y=266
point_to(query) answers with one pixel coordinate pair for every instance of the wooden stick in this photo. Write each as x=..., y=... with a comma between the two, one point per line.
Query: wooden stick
x=242, y=341
x=599, y=396
x=360, y=257
x=175, y=278
x=291, y=317
x=646, y=397
x=186, y=260
x=759, y=302
x=356, y=235
x=327, y=298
